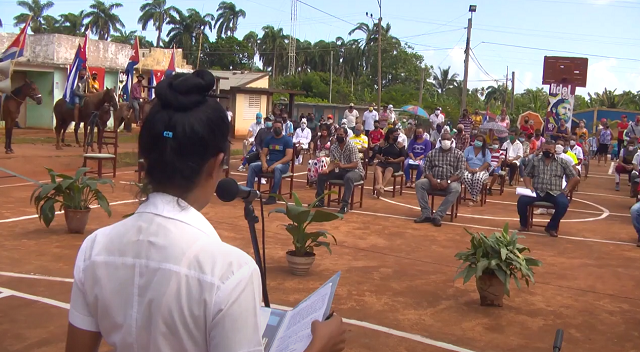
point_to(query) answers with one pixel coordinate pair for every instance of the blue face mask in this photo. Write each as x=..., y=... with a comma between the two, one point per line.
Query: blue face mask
x=521, y=139
x=258, y=120
x=268, y=124
x=477, y=144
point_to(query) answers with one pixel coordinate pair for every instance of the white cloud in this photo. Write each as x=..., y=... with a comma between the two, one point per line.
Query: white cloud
x=599, y=76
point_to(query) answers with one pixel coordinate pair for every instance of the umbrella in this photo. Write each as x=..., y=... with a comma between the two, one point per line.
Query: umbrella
x=493, y=125
x=538, y=122
x=416, y=110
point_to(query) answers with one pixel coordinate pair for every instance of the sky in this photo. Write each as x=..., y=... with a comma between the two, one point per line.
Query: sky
x=509, y=33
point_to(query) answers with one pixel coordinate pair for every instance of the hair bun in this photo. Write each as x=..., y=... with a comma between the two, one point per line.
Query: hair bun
x=185, y=91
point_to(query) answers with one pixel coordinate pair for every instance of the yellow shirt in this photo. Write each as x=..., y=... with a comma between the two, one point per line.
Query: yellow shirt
x=94, y=85
x=582, y=131
x=572, y=156
x=360, y=141
x=477, y=120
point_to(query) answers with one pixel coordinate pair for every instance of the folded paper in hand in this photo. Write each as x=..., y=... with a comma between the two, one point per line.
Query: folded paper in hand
x=413, y=162
x=521, y=191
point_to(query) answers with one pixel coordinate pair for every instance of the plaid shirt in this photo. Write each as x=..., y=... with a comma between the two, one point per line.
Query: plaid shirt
x=348, y=155
x=548, y=178
x=462, y=141
x=442, y=165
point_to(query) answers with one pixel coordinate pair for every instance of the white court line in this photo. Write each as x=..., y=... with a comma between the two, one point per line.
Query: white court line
x=31, y=183
x=4, y=294
x=363, y=324
x=60, y=212
x=33, y=276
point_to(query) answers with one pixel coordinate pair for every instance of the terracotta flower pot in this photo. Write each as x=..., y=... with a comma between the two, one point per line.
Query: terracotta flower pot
x=300, y=266
x=491, y=290
x=76, y=219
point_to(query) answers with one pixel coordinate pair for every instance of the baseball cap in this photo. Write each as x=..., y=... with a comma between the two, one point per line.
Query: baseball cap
x=351, y=105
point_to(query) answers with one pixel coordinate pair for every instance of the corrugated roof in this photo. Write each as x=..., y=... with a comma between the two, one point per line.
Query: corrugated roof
x=238, y=78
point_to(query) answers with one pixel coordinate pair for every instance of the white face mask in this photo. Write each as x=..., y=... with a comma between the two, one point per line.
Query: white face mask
x=437, y=112
x=445, y=144
x=329, y=121
x=573, y=143
x=303, y=125
x=632, y=147
x=559, y=149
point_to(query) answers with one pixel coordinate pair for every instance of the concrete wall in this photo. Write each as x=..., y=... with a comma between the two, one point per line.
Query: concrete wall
x=41, y=116
x=593, y=116
x=244, y=111
x=261, y=83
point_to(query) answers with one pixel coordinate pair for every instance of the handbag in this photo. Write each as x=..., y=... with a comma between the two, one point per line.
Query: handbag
x=253, y=157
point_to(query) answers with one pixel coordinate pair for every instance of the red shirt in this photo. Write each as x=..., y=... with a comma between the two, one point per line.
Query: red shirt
x=376, y=136
x=526, y=129
x=622, y=126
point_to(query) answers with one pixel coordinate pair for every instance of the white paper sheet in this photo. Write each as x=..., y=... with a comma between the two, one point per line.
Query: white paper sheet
x=295, y=332
x=521, y=191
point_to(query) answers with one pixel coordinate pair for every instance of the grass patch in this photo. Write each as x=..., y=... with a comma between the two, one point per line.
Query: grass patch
x=122, y=138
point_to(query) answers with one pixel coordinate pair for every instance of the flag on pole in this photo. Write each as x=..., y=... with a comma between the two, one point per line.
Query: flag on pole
x=15, y=50
x=172, y=64
x=154, y=79
x=72, y=78
x=134, y=59
x=85, y=48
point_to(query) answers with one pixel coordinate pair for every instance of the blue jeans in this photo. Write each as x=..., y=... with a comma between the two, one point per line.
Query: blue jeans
x=560, y=203
x=408, y=167
x=255, y=170
x=244, y=160
x=635, y=218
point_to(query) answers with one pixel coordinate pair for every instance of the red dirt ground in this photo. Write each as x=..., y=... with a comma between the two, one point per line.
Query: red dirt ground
x=395, y=273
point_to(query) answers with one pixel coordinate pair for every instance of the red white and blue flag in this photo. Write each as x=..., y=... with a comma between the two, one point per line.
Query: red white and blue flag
x=79, y=62
x=134, y=59
x=156, y=77
x=15, y=50
x=172, y=65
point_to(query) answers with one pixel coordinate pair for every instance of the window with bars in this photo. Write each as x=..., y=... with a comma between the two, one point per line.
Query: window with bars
x=251, y=106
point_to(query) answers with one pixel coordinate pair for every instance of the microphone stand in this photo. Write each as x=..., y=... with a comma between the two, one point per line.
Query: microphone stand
x=252, y=220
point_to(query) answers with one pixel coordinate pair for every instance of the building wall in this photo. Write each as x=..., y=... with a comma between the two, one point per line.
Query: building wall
x=592, y=116
x=41, y=116
x=17, y=79
x=246, y=107
x=261, y=83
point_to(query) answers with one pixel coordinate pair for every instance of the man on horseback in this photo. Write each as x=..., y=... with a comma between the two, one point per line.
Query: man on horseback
x=136, y=97
x=94, y=85
x=80, y=92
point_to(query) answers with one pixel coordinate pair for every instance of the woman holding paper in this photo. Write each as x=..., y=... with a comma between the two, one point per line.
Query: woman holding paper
x=478, y=161
x=418, y=148
x=162, y=279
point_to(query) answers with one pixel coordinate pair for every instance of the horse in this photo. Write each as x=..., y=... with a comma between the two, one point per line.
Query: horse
x=11, y=108
x=63, y=112
x=125, y=112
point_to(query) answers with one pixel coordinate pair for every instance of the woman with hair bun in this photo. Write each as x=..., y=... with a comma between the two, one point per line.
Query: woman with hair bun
x=162, y=279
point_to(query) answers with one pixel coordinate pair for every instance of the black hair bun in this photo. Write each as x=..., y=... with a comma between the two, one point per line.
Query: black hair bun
x=185, y=91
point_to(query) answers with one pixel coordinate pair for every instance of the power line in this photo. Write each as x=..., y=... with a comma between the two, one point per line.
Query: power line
x=559, y=51
x=454, y=48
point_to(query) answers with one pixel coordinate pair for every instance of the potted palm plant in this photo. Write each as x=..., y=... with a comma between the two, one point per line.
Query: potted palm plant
x=301, y=258
x=494, y=260
x=74, y=194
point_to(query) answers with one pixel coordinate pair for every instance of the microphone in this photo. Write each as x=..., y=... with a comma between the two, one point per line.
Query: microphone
x=229, y=190
x=557, y=343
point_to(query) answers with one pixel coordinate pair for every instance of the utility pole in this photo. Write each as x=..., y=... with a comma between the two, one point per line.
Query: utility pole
x=380, y=59
x=421, y=88
x=513, y=88
x=467, y=52
x=506, y=88
x=199, y=49
x=331, y=77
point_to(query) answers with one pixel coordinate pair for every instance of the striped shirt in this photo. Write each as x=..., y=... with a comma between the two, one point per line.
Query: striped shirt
x=347, y=155
x=444, y=164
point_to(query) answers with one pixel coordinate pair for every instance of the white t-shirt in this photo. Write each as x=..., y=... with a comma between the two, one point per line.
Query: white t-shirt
x=254, y=128
x=351, y=117
x=369, y=117
x=436, y=119
x=571, y=163
x=163, y=280
x=229, y=115
x=513, y=150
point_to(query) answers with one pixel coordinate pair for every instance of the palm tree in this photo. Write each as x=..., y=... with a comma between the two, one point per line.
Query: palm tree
x=253, y=41
x=444, y=80
x=102, y=19
x=182, y=32
x=273, y=48
x=156, y=12
x=71, y=23
x=497, y=93
x=124, y=37
x=37, y=10
x=227, y=20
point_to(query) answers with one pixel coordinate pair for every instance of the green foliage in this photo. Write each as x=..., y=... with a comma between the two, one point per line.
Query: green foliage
x=301, y=217
x=498, y=254
x=226, y=53
x=77, y=192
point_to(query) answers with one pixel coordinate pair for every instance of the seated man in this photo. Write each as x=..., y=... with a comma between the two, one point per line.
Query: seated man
x=256, y=135
x=625, y=163
x=344, y=157
x=251, y=134
x=375, y=137
x=443, y=169
x=359, y=139
x=301, y=140
x=277, y=152
x=344, y=124
x=497, y=158
x=635, y=175
x=515, y=152
x=544, y=176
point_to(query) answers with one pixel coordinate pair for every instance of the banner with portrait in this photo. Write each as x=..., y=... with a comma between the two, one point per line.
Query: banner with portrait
x=560, y=106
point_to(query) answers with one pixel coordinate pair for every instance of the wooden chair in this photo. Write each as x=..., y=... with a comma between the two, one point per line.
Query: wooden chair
x=364, y=161
x=269, y=177
x=106, y=139
x=454, y=207
x=340, y=184
x=395, y=177
x=484, y=192
x=541, y=205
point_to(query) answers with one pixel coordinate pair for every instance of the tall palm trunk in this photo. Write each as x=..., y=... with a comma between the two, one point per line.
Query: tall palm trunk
x=275, y=55
x=159, y=37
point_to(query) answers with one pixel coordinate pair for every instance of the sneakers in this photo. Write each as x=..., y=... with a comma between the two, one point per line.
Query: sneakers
x=263, y=181
x=424, y=218
x=242, y=168
x=343, y=209
x=540, y=211
x=437, y=222
x=269, y=201
x=617, y=186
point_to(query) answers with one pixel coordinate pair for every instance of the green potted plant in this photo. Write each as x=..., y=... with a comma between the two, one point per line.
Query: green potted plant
x=494, y=260
x=301, y=258
x=74, y=194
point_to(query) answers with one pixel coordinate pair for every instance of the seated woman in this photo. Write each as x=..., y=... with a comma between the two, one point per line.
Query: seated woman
x=390, y=156
x=625, y=163
x=418, y=148
x=320, y=152
x=497, y=157
x=478, y=161
x=301, y=140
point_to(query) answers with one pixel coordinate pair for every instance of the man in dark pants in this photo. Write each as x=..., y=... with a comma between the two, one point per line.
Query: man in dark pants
x=345, y=166
x=543, y=176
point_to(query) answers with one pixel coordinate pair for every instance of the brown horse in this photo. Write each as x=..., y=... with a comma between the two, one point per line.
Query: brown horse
x=63, y=112
x=125, y=113
x=11, y=108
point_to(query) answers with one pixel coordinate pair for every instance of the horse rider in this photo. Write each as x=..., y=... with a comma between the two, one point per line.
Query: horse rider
x=136, y=97
x=94, y=85
x=80, y=92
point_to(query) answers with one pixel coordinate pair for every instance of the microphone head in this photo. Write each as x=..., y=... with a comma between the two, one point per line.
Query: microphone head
x=227, y=190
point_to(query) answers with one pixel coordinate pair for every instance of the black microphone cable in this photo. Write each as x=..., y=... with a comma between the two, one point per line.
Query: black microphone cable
x=264, y=255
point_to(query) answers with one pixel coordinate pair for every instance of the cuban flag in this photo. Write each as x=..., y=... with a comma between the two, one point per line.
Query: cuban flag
x=15, y=50
x=134, y=59
x=156, y=77
x=172, y=64
x=79, y=61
